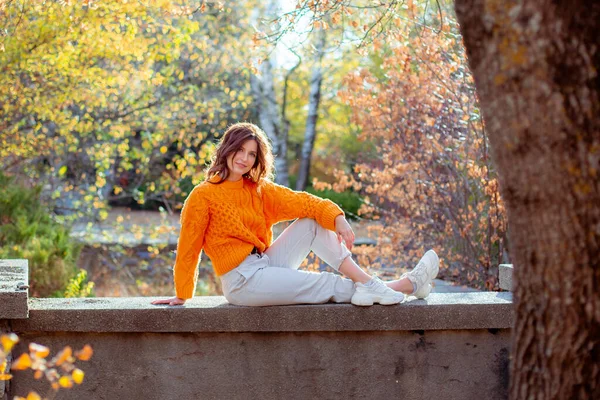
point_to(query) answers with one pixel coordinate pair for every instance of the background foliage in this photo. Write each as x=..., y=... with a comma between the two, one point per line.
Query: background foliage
x=28, y=232
x=108, y=105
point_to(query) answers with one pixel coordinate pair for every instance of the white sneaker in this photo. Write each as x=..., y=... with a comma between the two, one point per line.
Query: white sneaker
x=422, y=275
x=375, y=292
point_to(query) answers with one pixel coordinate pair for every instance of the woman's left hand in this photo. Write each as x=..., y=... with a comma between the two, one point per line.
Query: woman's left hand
x=344, y=231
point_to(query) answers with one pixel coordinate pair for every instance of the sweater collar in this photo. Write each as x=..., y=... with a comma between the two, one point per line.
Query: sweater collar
x=227, y=184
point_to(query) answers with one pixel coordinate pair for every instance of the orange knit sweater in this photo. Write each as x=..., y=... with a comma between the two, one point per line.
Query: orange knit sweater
x=229, y=219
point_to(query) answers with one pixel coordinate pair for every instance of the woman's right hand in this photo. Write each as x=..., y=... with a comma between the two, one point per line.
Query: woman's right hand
x=173, y=301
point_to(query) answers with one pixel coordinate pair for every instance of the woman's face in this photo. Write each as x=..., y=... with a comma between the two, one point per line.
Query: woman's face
x=242, y=161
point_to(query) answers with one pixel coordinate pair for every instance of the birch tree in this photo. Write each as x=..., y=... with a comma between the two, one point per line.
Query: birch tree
x=314, y=100
x=272, y=117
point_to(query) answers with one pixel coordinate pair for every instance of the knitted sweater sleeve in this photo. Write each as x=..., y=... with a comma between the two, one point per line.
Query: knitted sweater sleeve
x=194, y=220
x=282, y=203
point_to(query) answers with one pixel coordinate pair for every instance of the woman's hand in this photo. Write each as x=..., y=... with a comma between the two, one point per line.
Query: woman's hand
x=344, y=231
x=173, y=301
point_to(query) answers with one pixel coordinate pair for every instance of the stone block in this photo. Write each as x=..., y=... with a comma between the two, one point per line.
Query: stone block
x=506, y=272
x=14, y=285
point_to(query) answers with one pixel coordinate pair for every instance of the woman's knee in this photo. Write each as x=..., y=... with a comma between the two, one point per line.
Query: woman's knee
x=307, y=223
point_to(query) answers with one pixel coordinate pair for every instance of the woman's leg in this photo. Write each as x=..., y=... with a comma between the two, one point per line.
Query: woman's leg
x=304, y=235
x=295, y=243
x=283, y=286
x=351, y=269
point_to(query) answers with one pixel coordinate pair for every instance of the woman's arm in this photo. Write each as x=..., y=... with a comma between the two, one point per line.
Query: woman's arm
x=194, y=221
x=281, y=204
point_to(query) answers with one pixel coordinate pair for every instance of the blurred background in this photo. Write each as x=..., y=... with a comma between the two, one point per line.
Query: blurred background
x=110, y=111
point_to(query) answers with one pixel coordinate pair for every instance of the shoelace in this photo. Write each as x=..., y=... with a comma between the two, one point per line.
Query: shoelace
x=377, y=284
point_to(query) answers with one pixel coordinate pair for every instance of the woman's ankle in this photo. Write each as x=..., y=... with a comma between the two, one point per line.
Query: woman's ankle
x=351, y=270
x=402, y=285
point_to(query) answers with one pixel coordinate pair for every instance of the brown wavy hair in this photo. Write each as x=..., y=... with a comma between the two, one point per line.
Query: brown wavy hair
x=232, y=141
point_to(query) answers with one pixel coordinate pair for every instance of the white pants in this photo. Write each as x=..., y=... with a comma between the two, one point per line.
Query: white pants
x=273, y=278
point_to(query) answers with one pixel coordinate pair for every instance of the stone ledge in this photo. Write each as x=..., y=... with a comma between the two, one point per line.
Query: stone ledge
x=440, y=311
x=13, y=289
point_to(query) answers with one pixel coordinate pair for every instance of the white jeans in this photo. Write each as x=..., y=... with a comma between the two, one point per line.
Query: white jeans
x=273, y=278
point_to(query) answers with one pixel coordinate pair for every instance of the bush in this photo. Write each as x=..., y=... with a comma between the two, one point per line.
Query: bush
x=348, y=200
x=28, y=231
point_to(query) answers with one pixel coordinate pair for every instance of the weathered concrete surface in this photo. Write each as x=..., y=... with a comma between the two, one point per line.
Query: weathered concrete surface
x=14, y=281
x=440, y=311
x=416, y=365
x=505, y=272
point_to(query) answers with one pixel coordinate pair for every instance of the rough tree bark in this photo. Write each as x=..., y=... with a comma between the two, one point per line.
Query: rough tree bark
x=536, y=66
x=314, y=99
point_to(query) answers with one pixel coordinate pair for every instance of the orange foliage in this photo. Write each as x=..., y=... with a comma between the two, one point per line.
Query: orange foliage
x=60, y=371
x=433, y=184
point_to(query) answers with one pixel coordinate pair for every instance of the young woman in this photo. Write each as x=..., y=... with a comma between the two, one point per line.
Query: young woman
x=230, y=216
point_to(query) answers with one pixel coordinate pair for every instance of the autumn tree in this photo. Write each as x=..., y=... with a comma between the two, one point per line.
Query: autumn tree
x=535, y=66
x=108, y=100
x=432, y=183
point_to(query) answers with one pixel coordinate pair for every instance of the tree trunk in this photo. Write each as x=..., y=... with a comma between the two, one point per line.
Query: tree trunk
x=536, y=67
x=314, y=99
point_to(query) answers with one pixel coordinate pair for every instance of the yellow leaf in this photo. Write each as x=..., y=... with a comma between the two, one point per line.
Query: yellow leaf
x=38, y=350
x=8, y=341
x=33, y=396
x=64, y=355
x=38, y=374
x=103, y=214
x=62, y=171
x=5, y=377
x=65, y=382
x=163, y=149
x=23, y=362
x=335, y=18
x=86, y=353
x=77, y=376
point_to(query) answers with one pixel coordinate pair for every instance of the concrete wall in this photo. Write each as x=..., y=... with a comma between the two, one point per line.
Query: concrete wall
x=449, y=346
x=293, y=365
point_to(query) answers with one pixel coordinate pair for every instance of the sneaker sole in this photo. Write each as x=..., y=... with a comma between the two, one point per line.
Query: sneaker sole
x=367, y=300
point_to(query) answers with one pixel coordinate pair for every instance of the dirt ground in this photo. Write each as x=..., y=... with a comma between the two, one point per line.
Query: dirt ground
x=131, y=253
